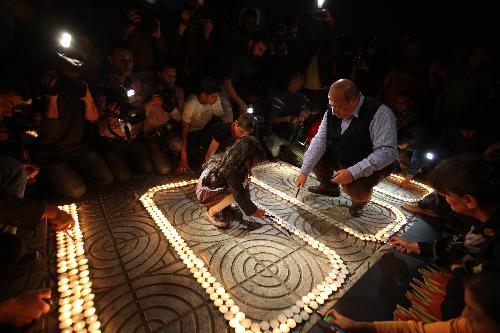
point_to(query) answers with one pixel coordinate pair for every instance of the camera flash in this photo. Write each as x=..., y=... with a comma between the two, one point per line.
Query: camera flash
x=250, y=110
x=65, y=40
x=130, y=92
x=320, y=3
x=429, y=156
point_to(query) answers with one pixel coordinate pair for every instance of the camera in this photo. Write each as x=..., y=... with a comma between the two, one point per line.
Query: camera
x=68, y=86
x=127, y=112
x=169, y=98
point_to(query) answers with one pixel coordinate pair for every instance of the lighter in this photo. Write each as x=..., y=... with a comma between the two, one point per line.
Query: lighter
x=327, y=318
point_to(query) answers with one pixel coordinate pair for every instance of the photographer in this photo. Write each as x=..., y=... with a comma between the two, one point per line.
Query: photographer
x=143, y=35
x=120, y=98
x=69, y=112
x=288, y=113
x=163, y=119
x=196, y=116
x=241, y=79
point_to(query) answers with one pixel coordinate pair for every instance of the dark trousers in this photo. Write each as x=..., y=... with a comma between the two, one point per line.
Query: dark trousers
x=124, y=156
x=13, y=181
x=65, y=174
x=360, y=190
x=198, y=142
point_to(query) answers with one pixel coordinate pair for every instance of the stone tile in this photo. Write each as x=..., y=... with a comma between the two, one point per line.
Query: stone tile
x=263, y=297
x=118, y=310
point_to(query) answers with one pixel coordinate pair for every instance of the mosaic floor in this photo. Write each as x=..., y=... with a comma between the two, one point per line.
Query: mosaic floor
x=141, y=285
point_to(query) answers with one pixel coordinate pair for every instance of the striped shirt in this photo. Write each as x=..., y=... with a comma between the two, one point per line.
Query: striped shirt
x=383, y=134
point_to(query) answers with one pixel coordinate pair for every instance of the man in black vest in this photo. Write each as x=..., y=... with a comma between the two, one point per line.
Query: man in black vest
x=355, y=146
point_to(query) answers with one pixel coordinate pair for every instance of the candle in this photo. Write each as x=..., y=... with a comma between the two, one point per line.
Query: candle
x=246, y=323
x=225, y=296
x=298, y=318
x=304, y=315
x=65, y=323
x=234, y=322
x=235, y=309
x=223, y=309
x=239, y=315
x=239, y=329
x=218, y=302
x=274, y=323
x=264, y=325
x=213, y=296
x=288, y=313
x=291, y=323
x=255, y=327
x=284, y=328
x=228, y=316
x=229, y=303
x=295, y=309
x=282, y=318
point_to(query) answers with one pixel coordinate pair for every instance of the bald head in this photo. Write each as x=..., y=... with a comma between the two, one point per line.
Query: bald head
x=347, y=87
x=343, y=98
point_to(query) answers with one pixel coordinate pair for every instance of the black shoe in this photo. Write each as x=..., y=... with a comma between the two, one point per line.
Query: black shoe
x=356, y=209
x=323, y=190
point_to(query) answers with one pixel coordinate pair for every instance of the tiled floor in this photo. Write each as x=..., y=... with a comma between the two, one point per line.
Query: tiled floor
x=142, y=286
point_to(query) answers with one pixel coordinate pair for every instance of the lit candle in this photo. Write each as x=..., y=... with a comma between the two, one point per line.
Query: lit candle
x=284, y=328
x=274, y=323
x=240, y=316
x=218, y=302
x=223, y=309
x=264, y=325
x=282, y=318
x=291, y=323
x=228, y=316
x=235, y=309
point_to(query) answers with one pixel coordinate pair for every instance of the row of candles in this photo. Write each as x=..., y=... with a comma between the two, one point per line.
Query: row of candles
x=392, y=177
x=236, y=318
x=381, y=236
x=76, y=303
x=398, y=179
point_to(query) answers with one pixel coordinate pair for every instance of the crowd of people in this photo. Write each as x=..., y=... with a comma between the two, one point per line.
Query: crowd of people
x=200, y=90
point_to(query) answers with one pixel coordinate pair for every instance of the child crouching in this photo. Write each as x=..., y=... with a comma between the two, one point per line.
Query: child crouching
x=224, y=180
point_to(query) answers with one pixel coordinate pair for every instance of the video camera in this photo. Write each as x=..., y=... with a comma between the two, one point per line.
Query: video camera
x=67, y=58
x=127, y=112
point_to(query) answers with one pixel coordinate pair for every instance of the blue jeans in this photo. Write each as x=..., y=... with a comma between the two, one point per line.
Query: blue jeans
x=12, y=176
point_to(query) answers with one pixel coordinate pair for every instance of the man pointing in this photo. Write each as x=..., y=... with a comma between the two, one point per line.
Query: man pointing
x=355, y=146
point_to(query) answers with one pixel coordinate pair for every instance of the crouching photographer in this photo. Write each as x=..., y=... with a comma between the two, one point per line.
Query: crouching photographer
x=162, y=127
x=119, y=96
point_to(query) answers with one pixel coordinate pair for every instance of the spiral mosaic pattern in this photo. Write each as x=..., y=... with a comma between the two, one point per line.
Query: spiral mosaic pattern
x=142, y=285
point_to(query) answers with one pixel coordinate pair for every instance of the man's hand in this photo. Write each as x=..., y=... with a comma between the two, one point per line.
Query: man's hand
x=183, y=163
x=182, y=28
x=404, y=246
x=87, y=98
x=303, y=116
x=23, y=309
x=31, y=170
x=342, y=177
x=61, y=220
x=259, y=213
x=301, y=180
x=347, y=324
